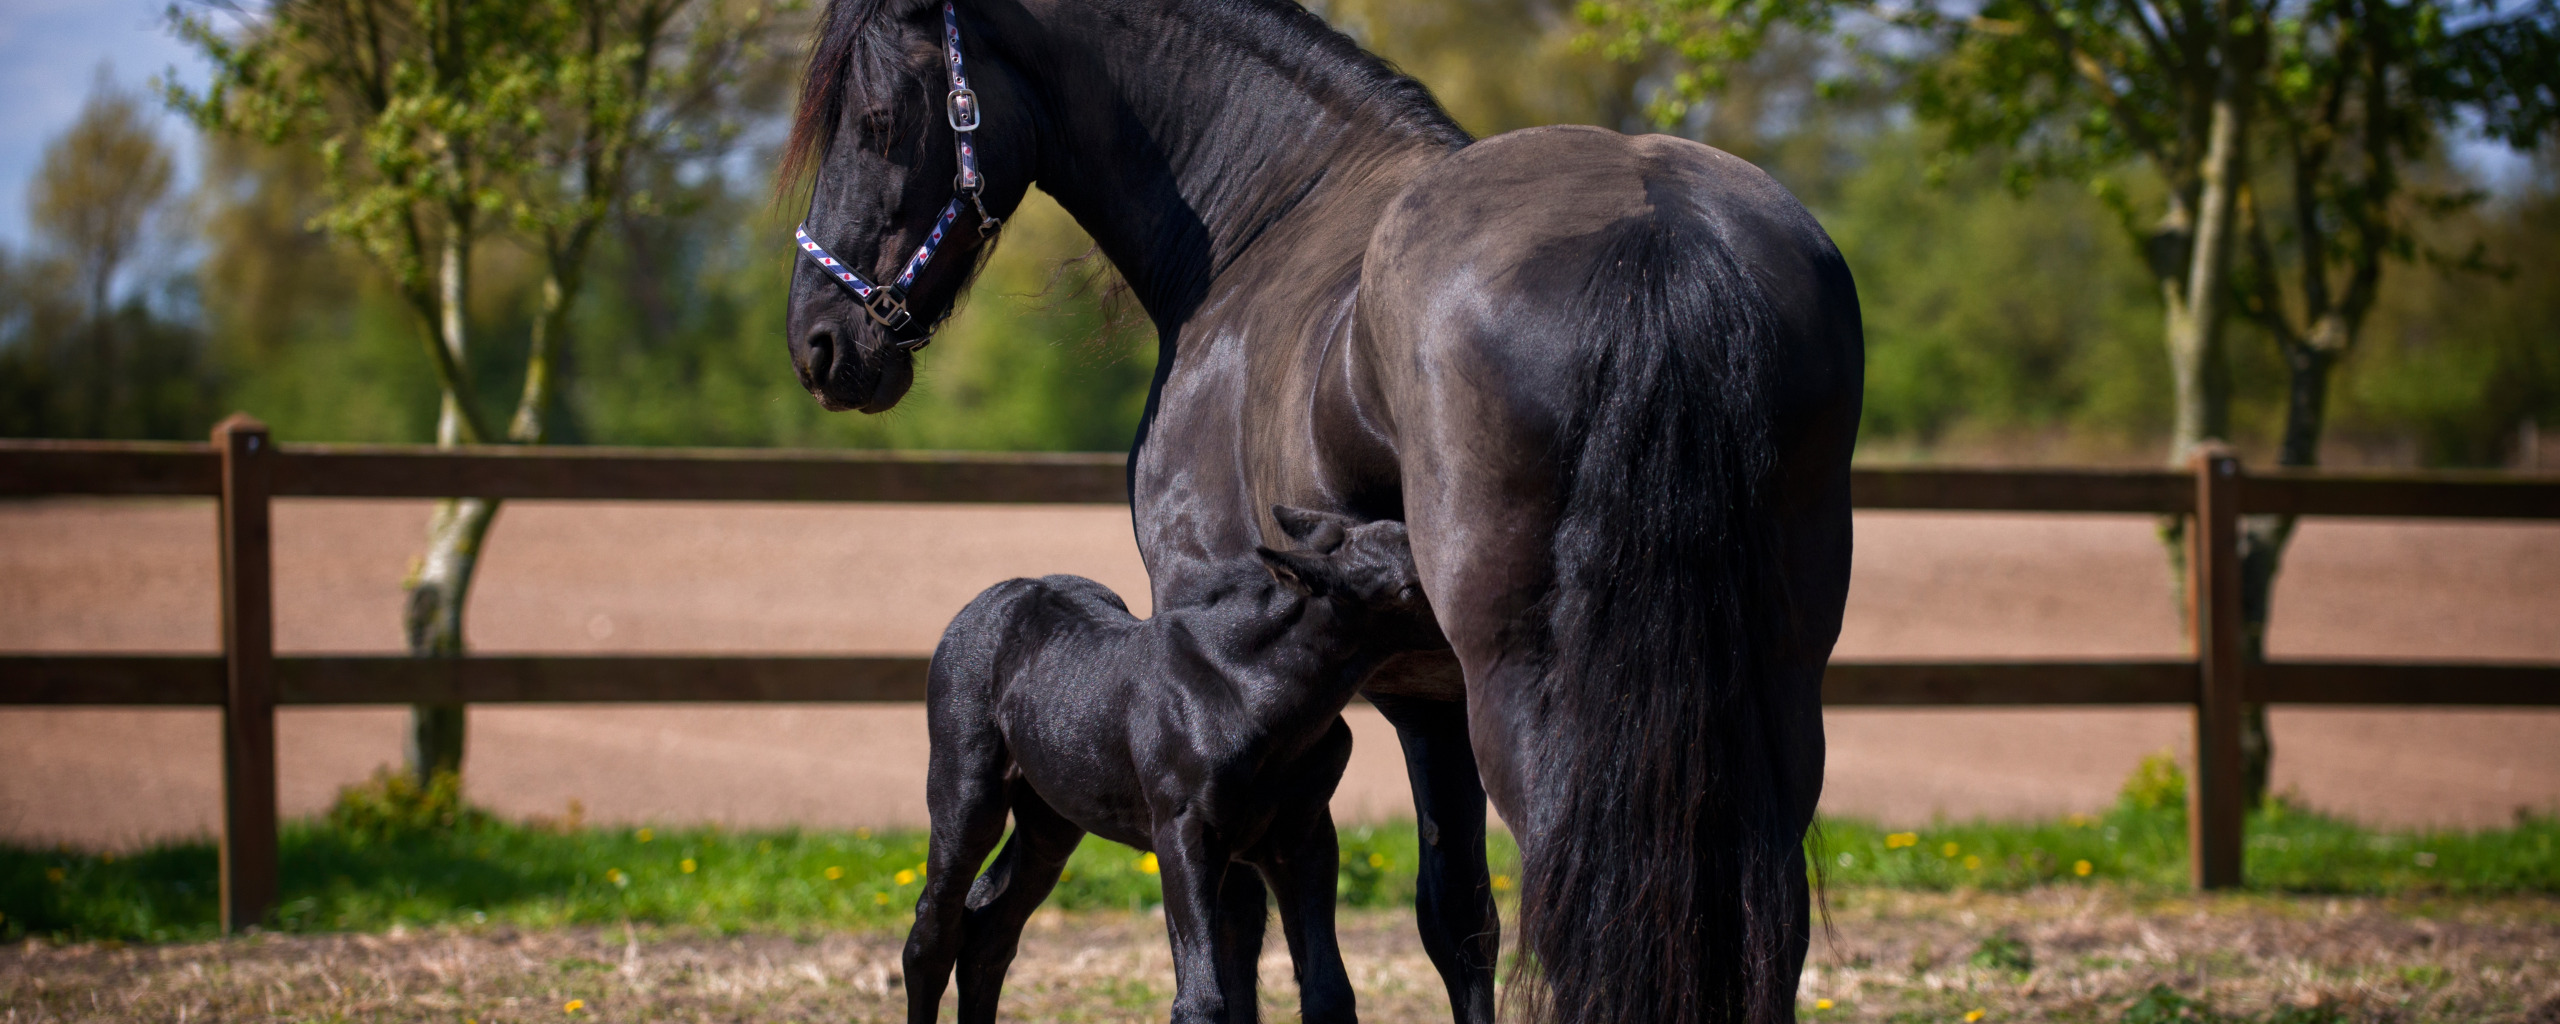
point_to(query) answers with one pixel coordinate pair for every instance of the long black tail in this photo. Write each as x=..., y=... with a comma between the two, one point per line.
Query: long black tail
x=1665, y=878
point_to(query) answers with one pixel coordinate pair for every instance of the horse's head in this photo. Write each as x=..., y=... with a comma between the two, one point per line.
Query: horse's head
x=1363, y=569
x=881, y=127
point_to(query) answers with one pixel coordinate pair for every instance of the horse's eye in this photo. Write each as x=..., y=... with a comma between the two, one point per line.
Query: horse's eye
x=877, y=121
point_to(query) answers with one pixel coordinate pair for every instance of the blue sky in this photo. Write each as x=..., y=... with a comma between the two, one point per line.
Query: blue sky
x=50, y=52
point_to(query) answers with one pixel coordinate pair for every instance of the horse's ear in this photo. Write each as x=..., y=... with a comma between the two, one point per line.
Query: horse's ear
x=1304, y=575
x=1321, y=531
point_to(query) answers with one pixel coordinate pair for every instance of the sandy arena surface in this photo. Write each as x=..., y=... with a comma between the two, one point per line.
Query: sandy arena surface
x=2062, y=953
x=138, y=577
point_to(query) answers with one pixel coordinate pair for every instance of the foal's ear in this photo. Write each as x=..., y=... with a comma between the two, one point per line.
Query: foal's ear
x=1321, y=531
x=1296, y=572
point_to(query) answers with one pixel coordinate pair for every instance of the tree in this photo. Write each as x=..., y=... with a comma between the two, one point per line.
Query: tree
x=2340, y=94
x=94, y=197
x=441, y=123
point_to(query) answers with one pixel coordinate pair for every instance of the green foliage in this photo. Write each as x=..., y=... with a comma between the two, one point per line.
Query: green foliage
x=2165, y=1005
x=392, y=807
x=2066, y=339
x=2003, y=952
x=2465, y=363
x=2157, y=784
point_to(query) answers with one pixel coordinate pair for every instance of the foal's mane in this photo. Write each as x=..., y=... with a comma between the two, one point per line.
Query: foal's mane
x=1278, y=34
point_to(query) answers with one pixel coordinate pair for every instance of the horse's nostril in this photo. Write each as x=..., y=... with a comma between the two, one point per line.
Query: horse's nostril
x=821, y=348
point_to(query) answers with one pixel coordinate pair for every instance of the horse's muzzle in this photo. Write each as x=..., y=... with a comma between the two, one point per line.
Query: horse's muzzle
x=851, y=367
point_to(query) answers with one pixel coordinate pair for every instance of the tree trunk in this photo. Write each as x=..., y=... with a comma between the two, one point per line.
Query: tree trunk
x=2263, y=538
x=2195, y=297
x=441, y=584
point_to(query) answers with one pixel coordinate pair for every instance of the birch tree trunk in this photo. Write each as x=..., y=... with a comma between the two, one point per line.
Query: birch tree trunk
x=2195, y=300
x=441, y=582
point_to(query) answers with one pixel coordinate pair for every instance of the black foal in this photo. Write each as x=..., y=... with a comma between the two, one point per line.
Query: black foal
x=1211, y=734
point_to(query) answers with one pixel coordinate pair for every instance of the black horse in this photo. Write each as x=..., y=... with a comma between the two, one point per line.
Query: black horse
x=1610, y=383
x=1211, y=734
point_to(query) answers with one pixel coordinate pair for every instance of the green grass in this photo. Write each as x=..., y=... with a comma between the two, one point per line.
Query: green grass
x=2289, y=850
x=349, y=872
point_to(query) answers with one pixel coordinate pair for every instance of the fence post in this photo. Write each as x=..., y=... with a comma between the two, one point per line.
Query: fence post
x=249, y=694
x=2215, y=803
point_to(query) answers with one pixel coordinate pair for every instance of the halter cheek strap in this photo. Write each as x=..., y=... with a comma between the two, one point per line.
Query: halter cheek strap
x=887, y=304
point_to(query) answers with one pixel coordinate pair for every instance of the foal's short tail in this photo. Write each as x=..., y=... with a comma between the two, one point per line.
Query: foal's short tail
x=1664, y=879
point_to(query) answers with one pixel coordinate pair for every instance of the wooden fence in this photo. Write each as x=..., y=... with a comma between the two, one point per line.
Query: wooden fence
x=245, y=470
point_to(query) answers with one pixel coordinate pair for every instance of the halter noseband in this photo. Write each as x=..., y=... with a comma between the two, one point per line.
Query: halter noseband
x=887, y=304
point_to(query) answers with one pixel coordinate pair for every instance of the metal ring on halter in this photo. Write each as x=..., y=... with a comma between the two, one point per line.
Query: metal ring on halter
x=888, y=308
x=961, y=109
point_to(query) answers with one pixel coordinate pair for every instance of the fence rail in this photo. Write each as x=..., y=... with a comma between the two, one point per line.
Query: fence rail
x=245, y=472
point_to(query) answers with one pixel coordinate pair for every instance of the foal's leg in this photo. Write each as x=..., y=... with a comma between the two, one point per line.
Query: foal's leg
x=1196, y=865
x=1022, y=875
x=1302, y=855
x=1453, y=897
x=1243, y=913
x=965, y=791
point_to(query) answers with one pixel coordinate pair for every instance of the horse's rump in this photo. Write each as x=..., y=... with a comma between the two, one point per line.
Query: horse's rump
x=1606, y=393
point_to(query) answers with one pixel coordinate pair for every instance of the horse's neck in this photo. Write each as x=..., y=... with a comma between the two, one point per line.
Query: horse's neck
x=1181, y=132
x=1277, y=663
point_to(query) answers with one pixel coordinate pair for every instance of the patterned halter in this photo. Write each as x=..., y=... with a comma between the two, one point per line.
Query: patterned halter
x=887, y=303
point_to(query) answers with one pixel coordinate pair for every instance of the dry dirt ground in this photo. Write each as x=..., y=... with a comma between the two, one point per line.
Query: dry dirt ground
x=2079, y=954
x=138, y=576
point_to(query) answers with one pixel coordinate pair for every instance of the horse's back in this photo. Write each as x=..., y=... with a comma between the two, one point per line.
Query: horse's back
x=1519, y=222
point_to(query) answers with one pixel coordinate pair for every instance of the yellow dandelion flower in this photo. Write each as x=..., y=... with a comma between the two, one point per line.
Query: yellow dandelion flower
x=1377, y=860
x=920, y=869
x=1950, y=850
x=1972, y=1015
x=615, y=876
x=905, y=877
x=1502, y=883
x=880, y=898
x=2082, y=868
x=1822, y=1004
x=834, y=873
x=53, y=874
x=644, y=835
x=1147, y=864
x=1899, y=840
x=573, y=1006
x=1973, y=863
x=686, y=865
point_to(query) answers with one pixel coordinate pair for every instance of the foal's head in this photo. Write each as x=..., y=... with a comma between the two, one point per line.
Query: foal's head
x=1363, y=570
x=878, y=127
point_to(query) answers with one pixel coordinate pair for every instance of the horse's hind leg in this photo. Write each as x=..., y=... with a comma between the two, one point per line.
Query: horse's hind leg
x=965, y=790
x=1002, y=902
x=1453, y=895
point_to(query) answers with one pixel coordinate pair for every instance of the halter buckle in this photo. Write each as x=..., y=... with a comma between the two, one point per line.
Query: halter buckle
x=888, y=308
x=961, y=109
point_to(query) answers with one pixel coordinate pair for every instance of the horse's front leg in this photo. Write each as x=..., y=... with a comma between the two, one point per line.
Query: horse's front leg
x=1194, y=861
x=1453, y=895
